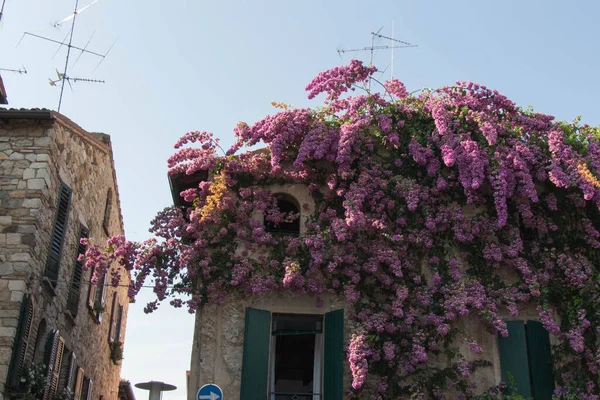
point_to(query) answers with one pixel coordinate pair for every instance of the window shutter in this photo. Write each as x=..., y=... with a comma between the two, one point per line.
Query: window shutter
x=120, y=324
x=333, y=341
x=91, y=291
x=75, y=289
x=54, y=355
x=100, y=295
x=71, y=373
x=513, y=357
x=78, y=384
x=540, y=359
x=112, y=330
x=58, y=234
x=21, y=342
x=255, y=362
x=86, y=393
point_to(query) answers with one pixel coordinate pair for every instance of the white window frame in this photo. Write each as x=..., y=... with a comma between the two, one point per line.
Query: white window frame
x=317, y=364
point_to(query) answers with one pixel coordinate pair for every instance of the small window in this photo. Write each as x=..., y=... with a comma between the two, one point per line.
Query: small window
x=284, y=219
x=292, y=356
x=75, y=288
x=114, y=316
x=296, y=356
x=107, y=209
x=96, y=295
x=525, y=359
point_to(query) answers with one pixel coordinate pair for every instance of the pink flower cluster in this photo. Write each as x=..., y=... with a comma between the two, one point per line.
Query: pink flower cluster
x=427, y=209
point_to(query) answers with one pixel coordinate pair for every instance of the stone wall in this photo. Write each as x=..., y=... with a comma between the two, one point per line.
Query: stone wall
x=36, y=155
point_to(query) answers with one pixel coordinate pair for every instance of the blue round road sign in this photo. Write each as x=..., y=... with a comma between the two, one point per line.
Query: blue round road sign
x=210, y=392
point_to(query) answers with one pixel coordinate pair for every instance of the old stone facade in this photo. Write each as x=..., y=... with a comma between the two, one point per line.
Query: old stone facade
x=57, y=184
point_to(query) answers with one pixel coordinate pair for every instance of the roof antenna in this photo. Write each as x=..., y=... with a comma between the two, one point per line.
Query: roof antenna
x=63, y=77
x=18, y=71
x=395, y=44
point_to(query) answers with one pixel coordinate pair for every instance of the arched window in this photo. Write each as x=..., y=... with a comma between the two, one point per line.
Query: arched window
x=285, y=219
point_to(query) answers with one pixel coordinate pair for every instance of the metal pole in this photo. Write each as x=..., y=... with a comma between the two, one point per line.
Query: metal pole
x=392, y=63
x=62, y=87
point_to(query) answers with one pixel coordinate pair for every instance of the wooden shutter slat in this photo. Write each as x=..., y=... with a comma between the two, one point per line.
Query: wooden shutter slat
x=513, y=357
x=333, y=341
x=255, y=363
x=540, y=360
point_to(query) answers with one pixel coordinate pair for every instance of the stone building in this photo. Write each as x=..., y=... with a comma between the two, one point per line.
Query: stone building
x=57, y=185
x=281, y=346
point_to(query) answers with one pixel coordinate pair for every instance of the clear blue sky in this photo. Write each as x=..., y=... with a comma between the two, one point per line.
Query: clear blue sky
x=182, y=65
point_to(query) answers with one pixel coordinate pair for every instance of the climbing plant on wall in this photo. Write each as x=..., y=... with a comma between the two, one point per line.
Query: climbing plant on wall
x=430, y=207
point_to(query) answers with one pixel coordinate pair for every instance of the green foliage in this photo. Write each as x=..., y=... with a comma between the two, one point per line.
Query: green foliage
x=116, y=352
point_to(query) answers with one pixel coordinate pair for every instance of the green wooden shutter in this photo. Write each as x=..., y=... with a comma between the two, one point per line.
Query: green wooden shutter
x=333, y=384
x=540, y=359
x=513, y=357
x=255, y=364
x=58, y=234
x=19, y=351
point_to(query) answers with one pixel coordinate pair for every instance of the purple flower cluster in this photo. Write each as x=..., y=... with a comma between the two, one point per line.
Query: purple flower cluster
x=427, y=209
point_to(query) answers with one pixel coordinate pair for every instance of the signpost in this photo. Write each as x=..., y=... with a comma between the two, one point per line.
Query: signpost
x=210, y=392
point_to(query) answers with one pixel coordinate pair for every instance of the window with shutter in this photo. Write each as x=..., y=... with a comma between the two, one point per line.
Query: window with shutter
x=54, y=356
x=91, y=290
x=112, y=330
x=40, y=340
x=21, y=342
x=86, y=392
x=526, y=360
x=70, y=378
x=120, y=324
x=78, y=384
x=58, y=234
x=75, y=288
x=296, y=356
x=96, y=295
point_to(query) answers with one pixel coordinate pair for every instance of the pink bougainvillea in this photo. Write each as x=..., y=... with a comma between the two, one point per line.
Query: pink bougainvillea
x=424, y=204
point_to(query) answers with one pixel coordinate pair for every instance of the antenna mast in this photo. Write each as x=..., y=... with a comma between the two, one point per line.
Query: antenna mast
x=396, y=44
x=62, y=86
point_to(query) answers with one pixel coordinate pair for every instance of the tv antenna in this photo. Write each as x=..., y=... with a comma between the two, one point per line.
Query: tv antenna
x=18, y=71
x=395, y=44
x=64, y=77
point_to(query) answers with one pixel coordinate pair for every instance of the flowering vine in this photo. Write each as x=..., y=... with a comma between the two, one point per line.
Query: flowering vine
x=428, y=208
